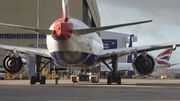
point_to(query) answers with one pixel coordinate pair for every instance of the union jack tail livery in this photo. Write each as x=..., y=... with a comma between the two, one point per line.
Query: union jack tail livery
x=163, y=58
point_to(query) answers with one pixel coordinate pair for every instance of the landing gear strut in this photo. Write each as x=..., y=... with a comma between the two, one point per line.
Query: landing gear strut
x=113, y=77
x=38, y=77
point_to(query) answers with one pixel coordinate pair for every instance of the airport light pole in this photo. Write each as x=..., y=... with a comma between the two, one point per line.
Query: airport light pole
x=37, y=23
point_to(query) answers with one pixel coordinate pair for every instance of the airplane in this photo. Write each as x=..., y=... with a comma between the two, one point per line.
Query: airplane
x=161, y=63
x=164, y=73
x=71, y=43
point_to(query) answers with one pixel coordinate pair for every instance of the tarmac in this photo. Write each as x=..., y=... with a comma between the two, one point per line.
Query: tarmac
x=65, y=90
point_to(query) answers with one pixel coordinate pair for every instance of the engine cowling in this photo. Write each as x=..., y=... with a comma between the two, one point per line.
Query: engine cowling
x=144, y=65
x=15, y=65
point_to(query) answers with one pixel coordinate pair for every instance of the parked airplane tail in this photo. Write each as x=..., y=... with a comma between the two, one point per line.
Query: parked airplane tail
x=129, y=58
x=65, y=10
x=163, y=58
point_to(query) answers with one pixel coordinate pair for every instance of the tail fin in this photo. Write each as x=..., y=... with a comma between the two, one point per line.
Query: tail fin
x=65, y=10
x=163, y=58
x=129, y=58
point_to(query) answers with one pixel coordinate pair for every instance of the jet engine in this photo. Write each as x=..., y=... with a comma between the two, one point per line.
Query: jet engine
x=144, y=64
x=15, y=65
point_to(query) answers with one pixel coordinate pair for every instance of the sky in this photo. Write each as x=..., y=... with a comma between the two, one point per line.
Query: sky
x=165, y=27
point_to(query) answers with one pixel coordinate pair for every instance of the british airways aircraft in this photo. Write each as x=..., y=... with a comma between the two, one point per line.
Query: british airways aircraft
x=71, y=43
x=161, y=62
x=164, y=73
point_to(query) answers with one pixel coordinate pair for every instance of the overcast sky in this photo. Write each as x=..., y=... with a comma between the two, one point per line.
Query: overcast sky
x=165, y=27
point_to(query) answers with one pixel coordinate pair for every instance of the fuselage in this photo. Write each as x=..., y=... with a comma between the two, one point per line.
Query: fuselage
x=76, y=51
x=167, y=72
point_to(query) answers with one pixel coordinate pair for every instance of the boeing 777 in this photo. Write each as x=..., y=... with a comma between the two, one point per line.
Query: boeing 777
x=167, y=72
x=71, y=43
x=161, y=62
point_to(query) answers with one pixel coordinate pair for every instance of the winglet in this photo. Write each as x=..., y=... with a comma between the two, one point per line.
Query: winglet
x=65, y=10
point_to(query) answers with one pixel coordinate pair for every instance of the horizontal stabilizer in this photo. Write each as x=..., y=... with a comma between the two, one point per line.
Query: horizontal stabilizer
x=32, y=29
x=97, y=29
x=173, y=64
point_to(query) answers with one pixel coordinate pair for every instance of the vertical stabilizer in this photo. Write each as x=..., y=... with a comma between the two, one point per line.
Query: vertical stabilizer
x=129, y=58
x=163, y=57
x=65, y=10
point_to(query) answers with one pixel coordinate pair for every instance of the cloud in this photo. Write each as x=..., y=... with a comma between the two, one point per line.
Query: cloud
x=165, y=27
x=162, y=12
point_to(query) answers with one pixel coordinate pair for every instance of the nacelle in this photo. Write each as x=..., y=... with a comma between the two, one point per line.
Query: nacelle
x=15, y=65
x=144, y=64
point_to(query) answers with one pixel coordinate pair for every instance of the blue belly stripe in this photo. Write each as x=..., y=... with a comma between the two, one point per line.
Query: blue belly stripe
x=63, y=58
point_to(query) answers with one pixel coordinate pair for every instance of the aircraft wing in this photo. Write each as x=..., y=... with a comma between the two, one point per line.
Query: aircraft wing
x=97, y=29
x=76, y=31
x=26, y=50
x=106, y=54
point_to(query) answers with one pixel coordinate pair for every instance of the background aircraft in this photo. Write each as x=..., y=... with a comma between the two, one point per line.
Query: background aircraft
x=161, y=63
x=71, y=43
x=167, y=72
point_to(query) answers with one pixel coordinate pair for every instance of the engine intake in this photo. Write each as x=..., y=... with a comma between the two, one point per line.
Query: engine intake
x=144, y=65
x=15, y=65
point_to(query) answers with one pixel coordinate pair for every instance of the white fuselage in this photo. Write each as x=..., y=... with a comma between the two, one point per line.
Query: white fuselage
x=167, y=72
x=121, y=66
x=128, y=66
x=78, y=50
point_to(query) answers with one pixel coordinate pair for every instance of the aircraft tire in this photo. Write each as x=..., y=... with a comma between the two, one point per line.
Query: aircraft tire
x=109, y=80
x=43, y=80
x=33, y=80
x=118, y=79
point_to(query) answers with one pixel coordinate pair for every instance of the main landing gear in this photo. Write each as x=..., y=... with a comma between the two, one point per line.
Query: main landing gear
x=113, y=77
x=39, y=77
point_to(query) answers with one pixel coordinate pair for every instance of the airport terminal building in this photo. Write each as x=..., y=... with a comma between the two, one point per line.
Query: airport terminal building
x=41, y=14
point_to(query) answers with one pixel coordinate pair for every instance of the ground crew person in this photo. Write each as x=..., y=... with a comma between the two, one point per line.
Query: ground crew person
x=56, y=76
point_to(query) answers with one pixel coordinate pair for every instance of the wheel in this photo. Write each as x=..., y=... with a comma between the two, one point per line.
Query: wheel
x=43, y=80
x=96, y=81
x=176, y=77
x=87, y=78
x=33, y=80
x=80, y=78
x=109, y=80
x=118, y=79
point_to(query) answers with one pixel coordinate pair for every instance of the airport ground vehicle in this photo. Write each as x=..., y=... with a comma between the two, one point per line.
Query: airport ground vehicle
x=85, y=74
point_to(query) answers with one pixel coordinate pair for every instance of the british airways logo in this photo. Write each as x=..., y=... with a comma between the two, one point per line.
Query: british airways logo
x=163, y=58
x=109, y=43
